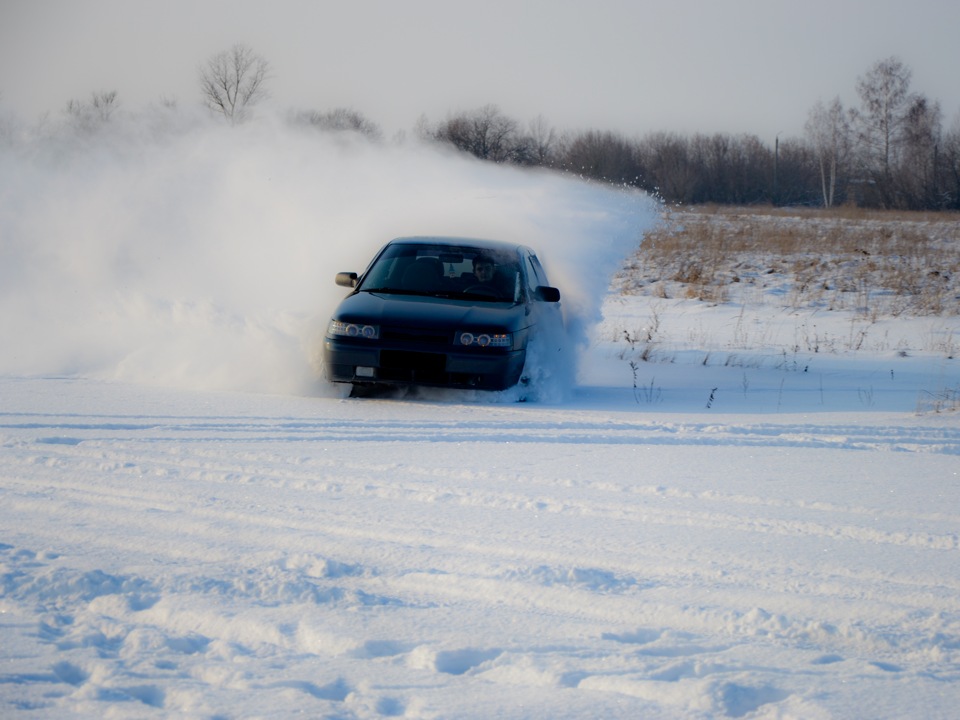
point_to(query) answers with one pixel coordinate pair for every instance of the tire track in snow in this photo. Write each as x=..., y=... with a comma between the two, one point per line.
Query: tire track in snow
x=608, y=501
x=111, y=456
x=517, y=429
x=262, y=499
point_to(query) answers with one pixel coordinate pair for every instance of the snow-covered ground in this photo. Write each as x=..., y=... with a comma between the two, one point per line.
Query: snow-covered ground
x=738, y=511
x=790, y=552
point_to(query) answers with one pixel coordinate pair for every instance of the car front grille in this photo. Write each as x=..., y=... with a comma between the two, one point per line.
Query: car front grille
x=415, y=335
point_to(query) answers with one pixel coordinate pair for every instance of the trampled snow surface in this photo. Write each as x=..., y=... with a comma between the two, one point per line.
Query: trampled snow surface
x=202, y=554
x=741, y=517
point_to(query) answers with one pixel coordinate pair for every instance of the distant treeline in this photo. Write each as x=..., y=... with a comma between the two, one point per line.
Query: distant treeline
x=889, y=152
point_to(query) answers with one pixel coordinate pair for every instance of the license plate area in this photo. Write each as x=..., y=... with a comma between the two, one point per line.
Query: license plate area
x=412, y=366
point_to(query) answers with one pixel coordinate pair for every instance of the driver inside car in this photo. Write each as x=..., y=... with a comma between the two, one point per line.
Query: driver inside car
x=489, y=282
x=483, y=269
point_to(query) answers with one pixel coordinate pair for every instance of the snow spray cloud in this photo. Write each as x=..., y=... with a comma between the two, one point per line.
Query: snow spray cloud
x=177, y=251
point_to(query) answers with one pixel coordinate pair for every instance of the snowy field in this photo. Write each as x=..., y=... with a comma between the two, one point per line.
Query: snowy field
x=738, y=511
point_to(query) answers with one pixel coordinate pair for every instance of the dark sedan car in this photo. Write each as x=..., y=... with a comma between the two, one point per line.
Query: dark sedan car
x=446, y=312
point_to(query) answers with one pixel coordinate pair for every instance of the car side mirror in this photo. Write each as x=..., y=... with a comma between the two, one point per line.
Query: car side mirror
x=347, y=279
x=545, y=293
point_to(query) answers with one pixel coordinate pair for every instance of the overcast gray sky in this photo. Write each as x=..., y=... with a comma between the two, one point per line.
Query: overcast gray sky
x=633, y=66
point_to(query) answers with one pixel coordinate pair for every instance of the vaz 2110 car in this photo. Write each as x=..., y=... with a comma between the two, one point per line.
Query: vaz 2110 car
x=444, y=312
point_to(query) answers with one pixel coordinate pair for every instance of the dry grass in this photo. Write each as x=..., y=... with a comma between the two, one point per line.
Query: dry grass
x=876, y=263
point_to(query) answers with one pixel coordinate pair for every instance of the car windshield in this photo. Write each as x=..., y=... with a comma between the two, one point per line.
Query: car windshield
x=446, y=271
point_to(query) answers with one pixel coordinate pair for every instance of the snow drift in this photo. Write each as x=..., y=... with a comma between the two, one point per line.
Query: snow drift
x=177, y=251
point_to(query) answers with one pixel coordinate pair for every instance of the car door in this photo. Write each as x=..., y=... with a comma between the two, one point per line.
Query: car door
x=547, y=314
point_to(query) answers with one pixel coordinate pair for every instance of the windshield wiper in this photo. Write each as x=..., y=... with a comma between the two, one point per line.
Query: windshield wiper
x=486, y=297
x=422, y=293
x=446, y=294
x=391, y=291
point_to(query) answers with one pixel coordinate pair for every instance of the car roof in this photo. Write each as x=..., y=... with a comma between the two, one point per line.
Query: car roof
x=480, y=243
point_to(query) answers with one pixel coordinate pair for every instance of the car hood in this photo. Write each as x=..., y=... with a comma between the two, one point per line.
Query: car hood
x=405, y=310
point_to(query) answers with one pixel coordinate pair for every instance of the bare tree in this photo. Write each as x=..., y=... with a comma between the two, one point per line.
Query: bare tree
x=87, y=116
x=670, y=168
x=485, y=133
x=341, y=120
x=233, y=81
x=541, y=140
x=712, y=155
x=950, y=161
x=104, y=104
x=919, y=159
x=606, y=156
x=884, y=102
x=798, y=176
x=829, y=132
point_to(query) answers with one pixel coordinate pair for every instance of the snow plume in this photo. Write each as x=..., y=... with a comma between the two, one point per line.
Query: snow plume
x=180, y=252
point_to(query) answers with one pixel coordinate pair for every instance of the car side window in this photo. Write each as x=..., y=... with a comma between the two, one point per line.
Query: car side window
x=540, y=272
x=535, y=273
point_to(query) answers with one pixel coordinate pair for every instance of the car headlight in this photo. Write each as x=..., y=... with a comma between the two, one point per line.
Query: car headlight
x=494, y=340
x=354, y=330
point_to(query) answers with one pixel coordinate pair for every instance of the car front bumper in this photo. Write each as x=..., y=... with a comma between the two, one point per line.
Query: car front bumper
x=352, y=362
